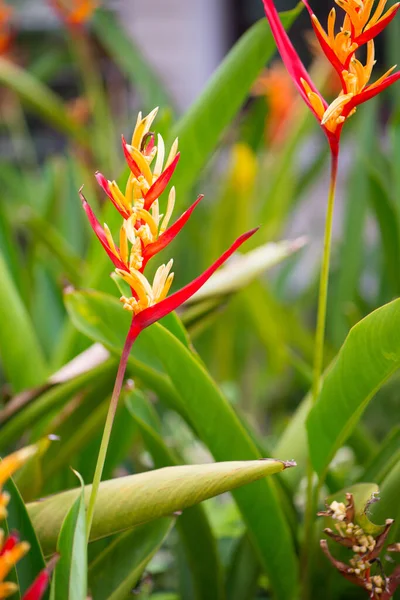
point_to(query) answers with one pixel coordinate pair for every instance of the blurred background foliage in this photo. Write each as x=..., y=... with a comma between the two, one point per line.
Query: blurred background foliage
x=248, y=144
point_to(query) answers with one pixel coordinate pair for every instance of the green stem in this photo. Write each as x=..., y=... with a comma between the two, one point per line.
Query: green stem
x=323, y=284
x=105, y=440
x=312, y=493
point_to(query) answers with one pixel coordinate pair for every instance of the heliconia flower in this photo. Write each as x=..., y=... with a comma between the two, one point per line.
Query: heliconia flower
x=145, y=231
x=74, y=12
x=359, y=27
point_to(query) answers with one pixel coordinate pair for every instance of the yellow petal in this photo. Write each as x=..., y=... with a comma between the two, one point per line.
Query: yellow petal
x=12, y=462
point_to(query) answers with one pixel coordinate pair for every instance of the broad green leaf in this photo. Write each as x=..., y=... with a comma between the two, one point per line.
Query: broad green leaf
x=207, y=411
x=128, y=501
x=200, y=128
x=70, y=575
x=116, y=571
x=193, y=526
x=368, y=357
x=40, y=99
x=101, y=317
x=387, y=217
x=20, y=351
x=129, y=59
x=18, y=519
x=385, y=459
x=221, y=430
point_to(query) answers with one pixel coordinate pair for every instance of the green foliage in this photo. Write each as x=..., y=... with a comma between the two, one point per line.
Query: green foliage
x=70, y=575
x=128, y=501
x=227, y=377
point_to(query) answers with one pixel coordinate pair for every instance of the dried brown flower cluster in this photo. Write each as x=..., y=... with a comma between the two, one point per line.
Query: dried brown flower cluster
x=365, y=567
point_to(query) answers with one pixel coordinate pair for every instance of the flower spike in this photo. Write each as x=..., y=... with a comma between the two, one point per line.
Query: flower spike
x=359, y=28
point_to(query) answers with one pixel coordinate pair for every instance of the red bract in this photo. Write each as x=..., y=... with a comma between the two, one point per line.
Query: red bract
x=40, y=585
x=158, y=311
x=168, y=235
x=160, y=184
x=99, y=231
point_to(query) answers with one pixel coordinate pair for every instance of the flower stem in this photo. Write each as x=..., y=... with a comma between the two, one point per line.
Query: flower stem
x=312, y=494
x=132, y=335
x=323, y=284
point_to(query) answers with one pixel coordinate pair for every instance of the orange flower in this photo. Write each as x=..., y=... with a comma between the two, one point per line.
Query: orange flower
x=74, y=12
x=277, y=87
x=6, y=34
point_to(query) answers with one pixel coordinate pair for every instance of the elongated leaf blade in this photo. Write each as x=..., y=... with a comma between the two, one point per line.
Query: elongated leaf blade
x=368, y=357
x=220, y=429
x=116, y=571
x=217, y=425
x=18, y=519
x=193, y=525
x=20, y=351
x=128, y=501
x=70, y=575
x=40, y=98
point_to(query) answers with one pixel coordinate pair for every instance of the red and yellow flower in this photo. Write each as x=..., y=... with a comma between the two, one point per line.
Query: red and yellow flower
x=145, y=231
x=361, y=24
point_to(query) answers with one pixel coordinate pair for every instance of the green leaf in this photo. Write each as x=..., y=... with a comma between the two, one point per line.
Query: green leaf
x=116, y=571
x=129, y=59
x=387, y=217
x=128, y=501
x=201, y=403
x=192, y=525
x=27, y=569
x=70, y=575
x=388, y=506
x=40, y=99
x=200, y=128
x=368, y=357
x=101, y=317
x=385, y=459
x=221, y=430
x=20, y=351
